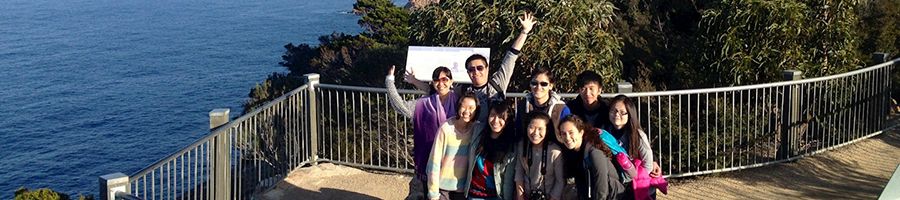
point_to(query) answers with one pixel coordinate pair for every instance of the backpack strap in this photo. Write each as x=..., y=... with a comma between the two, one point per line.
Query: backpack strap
x=555, y=111
x=501, y=94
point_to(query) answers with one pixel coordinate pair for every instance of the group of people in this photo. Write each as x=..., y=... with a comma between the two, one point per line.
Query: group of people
x=471, y=143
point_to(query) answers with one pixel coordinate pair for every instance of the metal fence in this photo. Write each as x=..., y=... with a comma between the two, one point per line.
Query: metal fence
x=236, y=160
x=692, y=132
x=722, y=129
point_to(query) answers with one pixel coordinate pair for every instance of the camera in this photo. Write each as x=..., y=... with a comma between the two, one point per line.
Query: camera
x=537, y=195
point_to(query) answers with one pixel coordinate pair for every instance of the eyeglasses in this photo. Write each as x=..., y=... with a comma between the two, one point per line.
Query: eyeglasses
x=619, y=113
x=542, y=84
x=473, y=69
x=443, y=79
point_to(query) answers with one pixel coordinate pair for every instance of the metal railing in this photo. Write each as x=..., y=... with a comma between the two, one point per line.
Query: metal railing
x=693, y=132
x=236, y=160
x=722, y=129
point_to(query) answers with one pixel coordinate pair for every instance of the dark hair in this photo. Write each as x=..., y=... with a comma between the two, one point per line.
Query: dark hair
x=588, y=76
x=536, y=114
x=437, y=74
x=591, y=136
x=471, y=95
x=496, y=149
x=477, y=57
x=632, y=127
x=548, y=135
x=544, y=70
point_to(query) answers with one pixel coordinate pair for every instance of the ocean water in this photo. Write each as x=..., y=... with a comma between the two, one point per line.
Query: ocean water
x=92, y=87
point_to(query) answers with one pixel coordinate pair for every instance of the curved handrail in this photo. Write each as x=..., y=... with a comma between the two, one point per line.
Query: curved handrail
x=654, y=93
x=764, y=85
x=223, y=130
x=216, y=132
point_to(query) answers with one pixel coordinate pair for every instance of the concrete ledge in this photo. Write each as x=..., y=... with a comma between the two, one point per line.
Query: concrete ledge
x=892, y=189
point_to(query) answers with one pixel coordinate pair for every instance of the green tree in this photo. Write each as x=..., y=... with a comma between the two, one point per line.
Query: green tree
x=341, y=58
x=658, y=37
x=751, y=41
x=45, y=194
x=571, y=36
x=879, y=25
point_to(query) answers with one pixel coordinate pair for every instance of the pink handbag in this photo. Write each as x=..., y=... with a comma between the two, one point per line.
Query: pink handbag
x=641, y=180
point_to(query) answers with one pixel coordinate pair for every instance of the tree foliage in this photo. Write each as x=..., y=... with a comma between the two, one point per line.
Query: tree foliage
x=751, y=41
x=879, y=26
x=342, y=58
x=658, y=36
x=655, y=44
x=570, y=37
x=45, y=194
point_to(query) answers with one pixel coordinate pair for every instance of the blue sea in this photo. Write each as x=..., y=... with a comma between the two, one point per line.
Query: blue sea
x=92, y=87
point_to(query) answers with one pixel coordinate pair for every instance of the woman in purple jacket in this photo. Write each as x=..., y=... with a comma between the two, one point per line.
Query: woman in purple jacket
x=427, y=113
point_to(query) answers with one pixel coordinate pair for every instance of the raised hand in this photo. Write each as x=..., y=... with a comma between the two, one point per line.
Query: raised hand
x=410, y=76
x=527, y=21
x=391, y=71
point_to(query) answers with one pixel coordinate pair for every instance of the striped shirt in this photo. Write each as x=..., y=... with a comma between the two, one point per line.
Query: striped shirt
x=449, y=160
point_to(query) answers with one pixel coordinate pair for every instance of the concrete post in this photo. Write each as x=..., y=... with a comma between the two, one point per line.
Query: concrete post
x=312, y=102
x=218, y=117
x=221, y=168
x=790, y=114
x=624, y=87
x=112, y=183
x=879, y=57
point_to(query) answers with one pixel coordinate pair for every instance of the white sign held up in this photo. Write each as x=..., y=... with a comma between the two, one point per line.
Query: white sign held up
x=423, y=60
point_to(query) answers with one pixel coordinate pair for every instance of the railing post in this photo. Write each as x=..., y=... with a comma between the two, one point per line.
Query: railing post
x=218, y=117
x=885, y=101
x=312, y=81
x=879, y=57
x=790, y=113
x=221, y=167
x=112, y=183
x=624, y=87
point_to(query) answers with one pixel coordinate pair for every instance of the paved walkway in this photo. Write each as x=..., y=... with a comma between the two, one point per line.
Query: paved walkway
x=857, y=171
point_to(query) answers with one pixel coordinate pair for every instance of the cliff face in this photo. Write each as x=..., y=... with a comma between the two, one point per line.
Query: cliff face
x=416, y=4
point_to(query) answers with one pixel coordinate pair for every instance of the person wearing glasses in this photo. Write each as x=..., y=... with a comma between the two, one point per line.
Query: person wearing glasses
x=477, y=67
x=427, y=113
x=625, y=127
x=541, y=97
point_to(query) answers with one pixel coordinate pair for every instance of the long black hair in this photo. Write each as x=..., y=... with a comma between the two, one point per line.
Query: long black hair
x=632, y=127
x=497, y=149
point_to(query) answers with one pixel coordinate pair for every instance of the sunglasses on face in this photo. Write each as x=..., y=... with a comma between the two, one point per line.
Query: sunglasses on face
x=475, y=68
x=442, y=79
x=542, y=84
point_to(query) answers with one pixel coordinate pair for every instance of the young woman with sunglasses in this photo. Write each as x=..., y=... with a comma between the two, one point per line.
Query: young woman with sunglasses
x=478, y=69
x=427, y=114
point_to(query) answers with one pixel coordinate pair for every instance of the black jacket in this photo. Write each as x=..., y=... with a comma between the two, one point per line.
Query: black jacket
x=598, y=118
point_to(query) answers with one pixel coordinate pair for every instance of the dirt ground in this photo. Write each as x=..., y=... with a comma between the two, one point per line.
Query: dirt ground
x=857, y=171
